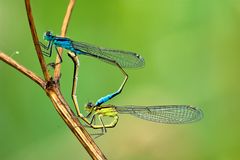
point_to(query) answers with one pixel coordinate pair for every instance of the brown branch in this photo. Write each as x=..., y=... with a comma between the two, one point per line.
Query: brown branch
x=53, y=91
x=55, y=95
x=73, y=123
x=23, y=70
x=63, y=34
x=36, y=41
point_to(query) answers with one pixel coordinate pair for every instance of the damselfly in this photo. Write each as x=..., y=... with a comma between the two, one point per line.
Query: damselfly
x=168, y=114
x=122, y=59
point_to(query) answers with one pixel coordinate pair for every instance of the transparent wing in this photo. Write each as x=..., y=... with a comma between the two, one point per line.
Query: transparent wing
x=124, y=58
x=169, y=114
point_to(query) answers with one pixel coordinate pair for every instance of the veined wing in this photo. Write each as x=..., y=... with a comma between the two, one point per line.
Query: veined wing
x=169, y=114
x=125, y=59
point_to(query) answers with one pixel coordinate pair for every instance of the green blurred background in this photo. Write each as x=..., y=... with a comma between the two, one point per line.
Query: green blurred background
x=191, y=49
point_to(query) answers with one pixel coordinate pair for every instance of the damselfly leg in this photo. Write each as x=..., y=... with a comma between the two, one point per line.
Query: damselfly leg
x=48, y=50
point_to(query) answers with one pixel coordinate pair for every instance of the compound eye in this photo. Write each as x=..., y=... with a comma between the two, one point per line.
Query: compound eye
x=48, y=33
x=90, y=104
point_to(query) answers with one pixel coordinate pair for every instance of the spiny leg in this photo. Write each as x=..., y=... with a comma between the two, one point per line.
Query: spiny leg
x=93, y=119
x=48, y=48
x=103, y=129
x=100, y=126
x=110, y=96
x=97, y=134
x=93, y=125
x=103, y=126
x=114, y=122
x=93, y=122
x=48, y=52
x=53, y=64
x=89, y=123
x=90, y=112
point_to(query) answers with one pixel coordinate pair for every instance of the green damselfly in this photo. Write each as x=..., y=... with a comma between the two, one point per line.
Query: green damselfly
x=167, y=114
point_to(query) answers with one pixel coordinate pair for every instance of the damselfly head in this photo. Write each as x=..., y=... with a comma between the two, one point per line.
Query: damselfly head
x=89, y=106
x=48, y=36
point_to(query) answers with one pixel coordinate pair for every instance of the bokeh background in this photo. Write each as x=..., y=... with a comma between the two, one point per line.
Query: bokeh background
x=191, y=49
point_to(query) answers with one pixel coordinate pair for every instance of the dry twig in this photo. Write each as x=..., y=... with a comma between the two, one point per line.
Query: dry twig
x=63, y=34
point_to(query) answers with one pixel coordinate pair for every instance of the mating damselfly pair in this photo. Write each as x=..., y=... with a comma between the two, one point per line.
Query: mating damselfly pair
x=170, y=114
